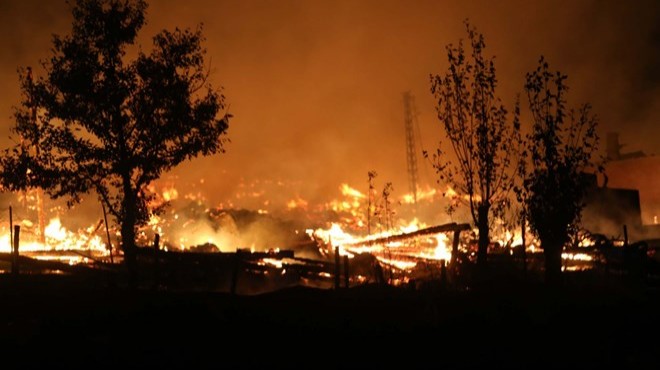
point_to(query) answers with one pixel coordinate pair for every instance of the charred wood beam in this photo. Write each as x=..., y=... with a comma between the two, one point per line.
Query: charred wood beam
x=319, y=263
x=311, y=268
x=337, y=268
x=346, y=273
x=245, y=255
x=32, y=264
x=236, y=262
x=451, y=227
x=15, y=262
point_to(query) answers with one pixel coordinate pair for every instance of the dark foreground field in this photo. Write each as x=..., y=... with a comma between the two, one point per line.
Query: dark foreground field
x=61, y=321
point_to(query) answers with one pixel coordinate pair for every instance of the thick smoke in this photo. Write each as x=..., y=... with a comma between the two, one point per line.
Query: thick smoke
x=316, y=86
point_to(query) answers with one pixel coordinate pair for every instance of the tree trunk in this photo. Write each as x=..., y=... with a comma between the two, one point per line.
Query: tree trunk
x=484, y=237
x=552, y=254
x=128, y=222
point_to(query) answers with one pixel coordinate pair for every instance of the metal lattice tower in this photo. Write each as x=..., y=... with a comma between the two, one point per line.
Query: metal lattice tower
x=411, y=153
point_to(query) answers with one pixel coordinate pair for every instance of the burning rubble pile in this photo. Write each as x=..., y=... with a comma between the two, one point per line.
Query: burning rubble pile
x=53, y=242
x=293, y=242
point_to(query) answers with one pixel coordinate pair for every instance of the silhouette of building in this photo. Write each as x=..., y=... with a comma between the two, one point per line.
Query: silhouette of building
x=608, y=209
x=614, y=149
x=635, y=170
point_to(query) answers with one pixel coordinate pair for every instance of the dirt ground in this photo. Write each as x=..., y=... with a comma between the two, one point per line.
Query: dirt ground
x=67, y=321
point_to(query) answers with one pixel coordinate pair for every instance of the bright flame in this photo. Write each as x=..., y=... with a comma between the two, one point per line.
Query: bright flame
x=273, y=262
x=587, y=242
x=401, y=254
x=422, y=195
x=577, y=257
x=170, y=194
x=450, y=192
x=348, y=191
x=442, y=251
x=55, y=231
x=58, y=239
x=401, y=265
x=426, y=194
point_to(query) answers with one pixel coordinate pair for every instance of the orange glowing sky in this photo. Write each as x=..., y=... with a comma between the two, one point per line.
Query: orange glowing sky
x=315, y=86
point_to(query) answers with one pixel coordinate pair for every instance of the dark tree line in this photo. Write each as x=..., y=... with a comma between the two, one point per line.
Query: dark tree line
x=482, y=137
x=494, y=159
x=98, y=121
x=560, y=148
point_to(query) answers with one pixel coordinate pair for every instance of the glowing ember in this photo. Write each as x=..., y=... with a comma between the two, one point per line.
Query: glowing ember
x=577, y=257
x=401, y=265
x=273, y=262
x=587, y=242
x=170, y=194
x=296, y=203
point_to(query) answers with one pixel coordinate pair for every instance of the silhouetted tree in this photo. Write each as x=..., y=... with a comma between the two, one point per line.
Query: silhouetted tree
x=371, y=199
x=483, y=140
x=559, y=149
x=387, y=206
x=112, y=124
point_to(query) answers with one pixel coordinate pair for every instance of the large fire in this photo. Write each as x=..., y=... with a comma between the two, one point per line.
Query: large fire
x=60, y=244
x=339, y=224
x=433, y=247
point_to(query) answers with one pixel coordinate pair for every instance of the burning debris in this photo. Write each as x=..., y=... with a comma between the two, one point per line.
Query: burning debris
x=269, y=249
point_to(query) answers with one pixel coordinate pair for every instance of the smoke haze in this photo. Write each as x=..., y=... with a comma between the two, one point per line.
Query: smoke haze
x=316, y=86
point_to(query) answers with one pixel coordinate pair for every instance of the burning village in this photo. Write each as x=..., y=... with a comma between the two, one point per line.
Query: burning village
x=310, y=184
x=325, y=245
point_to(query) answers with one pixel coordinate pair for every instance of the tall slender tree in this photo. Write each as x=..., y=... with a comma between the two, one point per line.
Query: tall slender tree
x=559, y=150
x=484, y=141
x=110, y=124
x=387, y=206
x=371, y=199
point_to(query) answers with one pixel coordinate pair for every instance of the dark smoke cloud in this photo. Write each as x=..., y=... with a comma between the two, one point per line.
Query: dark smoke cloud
x=315, y=86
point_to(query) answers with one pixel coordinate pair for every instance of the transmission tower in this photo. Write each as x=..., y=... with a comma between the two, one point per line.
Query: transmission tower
x=411, y=152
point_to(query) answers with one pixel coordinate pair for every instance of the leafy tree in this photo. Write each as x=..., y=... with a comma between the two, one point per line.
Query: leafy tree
x=560, y=148
x=103, y=122
x=484, y=141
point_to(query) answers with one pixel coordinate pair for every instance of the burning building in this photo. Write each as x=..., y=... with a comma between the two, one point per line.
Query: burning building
x=635, y=170
x=640, y=171
x=607, y=209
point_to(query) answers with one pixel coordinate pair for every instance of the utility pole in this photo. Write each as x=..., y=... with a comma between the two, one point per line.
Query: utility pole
x=411, y=152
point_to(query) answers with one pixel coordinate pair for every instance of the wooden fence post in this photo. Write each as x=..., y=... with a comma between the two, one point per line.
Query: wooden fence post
x=337, y=268
x=156, y=260
x=107, y=232
x=11, y=230
x=443, y=274
x=15, y=269
x=346, y=272
x=454, y=253
x=234, y=273
x=524, y=250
